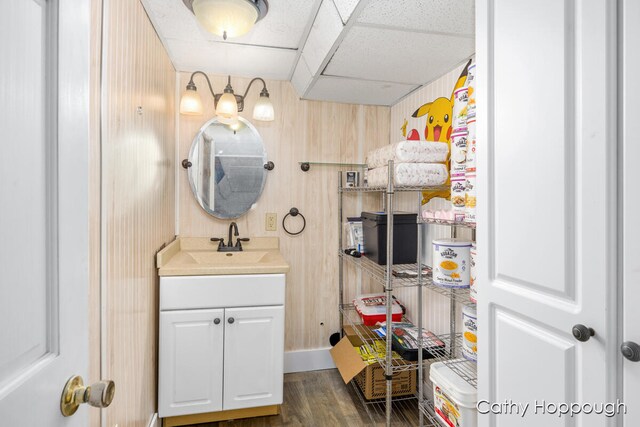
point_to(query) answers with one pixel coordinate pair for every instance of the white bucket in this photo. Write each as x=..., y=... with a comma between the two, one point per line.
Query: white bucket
x=471, y=145
x=473, y=293
x=458, y=153
x=470, y=333
x=454, y=399
x=458, y=193
x=460, y=100
x=471, y=91
x=470, y=198
x=451, y=263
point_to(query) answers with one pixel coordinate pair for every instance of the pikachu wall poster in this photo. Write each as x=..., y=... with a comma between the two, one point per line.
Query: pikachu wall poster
x=438, y=118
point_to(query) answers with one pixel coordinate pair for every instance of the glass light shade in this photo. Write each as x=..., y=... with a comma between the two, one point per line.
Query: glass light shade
x=231, y=17
x=227, y=106
x=231, y=121
x=190, y=103
x=263, y=109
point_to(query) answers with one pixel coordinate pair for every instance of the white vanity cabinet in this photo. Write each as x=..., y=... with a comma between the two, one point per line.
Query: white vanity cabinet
x=253, y=347
x=221, y=343
x=191, y=360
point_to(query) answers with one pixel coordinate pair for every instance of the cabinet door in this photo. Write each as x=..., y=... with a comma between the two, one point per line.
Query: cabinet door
x=547, y=244
x=190, y=362
x=253, y=355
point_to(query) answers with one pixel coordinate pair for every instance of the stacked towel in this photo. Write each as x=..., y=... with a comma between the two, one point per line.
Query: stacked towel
x=409, y=152
x=410, y=175
x=416, y=163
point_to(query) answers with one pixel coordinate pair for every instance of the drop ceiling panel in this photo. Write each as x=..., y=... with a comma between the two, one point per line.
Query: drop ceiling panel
x=444, y=16
x=283, y=26
x=340, y=89
x=325, y=31
x=345, y=7
x=236, y=60
x=302, y=77
x=398, y=56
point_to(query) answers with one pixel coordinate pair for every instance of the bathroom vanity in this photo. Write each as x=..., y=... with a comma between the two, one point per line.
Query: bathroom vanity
x=221, y=323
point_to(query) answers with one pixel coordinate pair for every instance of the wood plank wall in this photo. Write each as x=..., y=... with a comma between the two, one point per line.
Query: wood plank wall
x=436, y=306
x=95, y=172
x=133, y=168
x=302, y=131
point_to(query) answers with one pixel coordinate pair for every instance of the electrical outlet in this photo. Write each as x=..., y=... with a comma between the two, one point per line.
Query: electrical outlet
x=271, y=221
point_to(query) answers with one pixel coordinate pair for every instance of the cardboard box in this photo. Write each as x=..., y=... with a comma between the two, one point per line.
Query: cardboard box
x=362, y=330
x=370, y=378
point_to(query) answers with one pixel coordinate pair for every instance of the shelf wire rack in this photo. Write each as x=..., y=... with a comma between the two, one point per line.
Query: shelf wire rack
x=450, y=355
x=405, y=409
x=447, y=222
x=429, y=413
x=382, y=189
x=378, y=273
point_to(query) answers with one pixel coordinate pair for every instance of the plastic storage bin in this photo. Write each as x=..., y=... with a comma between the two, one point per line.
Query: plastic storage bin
x=454, y=399
x=405, y=237
x=372, y=308
x=405, y=343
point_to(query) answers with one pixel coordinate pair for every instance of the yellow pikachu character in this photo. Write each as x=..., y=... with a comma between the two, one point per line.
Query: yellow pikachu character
x=439, y=114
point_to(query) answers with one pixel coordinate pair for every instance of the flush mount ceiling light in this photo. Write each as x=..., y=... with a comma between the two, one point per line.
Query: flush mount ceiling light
x=227, y=104
x=228, y=18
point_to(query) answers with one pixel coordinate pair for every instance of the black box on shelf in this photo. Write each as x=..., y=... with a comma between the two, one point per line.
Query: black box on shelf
x=405, y=237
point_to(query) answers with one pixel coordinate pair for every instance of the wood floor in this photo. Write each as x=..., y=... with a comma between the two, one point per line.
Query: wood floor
x=320, y=399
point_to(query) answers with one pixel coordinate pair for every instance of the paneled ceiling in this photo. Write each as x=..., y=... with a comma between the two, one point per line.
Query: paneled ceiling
x=355, y=51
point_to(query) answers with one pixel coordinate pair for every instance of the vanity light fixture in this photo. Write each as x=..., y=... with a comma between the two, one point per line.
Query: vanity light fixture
x=228, y=103
x=228, y=18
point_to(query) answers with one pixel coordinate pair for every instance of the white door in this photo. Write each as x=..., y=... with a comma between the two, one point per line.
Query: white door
x=44, y=46
x=630, y=131
x=253, y=356
x=190, y=362
x=547, y=208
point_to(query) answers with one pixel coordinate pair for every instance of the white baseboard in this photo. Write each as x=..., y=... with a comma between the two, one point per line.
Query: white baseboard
x=308, y=360
x=154, y=420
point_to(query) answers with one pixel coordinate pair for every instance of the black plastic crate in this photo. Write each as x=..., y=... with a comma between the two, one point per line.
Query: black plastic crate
x=405, y=237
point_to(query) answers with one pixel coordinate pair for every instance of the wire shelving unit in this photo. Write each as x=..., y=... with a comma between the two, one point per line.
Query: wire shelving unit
x=418, y=409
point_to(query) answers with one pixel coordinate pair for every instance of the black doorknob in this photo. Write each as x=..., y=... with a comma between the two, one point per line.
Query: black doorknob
x=582, y=333
x=216, y=321
x=631, y=351
x=231, y=320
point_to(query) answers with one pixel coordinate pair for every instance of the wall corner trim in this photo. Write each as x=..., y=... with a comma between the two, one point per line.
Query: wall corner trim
x=308, y=360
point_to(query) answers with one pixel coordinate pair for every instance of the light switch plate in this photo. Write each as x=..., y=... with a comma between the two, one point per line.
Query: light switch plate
x=271, y=221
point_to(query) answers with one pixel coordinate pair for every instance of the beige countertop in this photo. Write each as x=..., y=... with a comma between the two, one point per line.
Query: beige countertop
x=198, y=256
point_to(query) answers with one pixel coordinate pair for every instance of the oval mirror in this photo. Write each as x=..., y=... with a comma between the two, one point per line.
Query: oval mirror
x=227, y=171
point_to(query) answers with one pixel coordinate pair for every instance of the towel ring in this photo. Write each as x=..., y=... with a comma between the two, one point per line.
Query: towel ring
x=294, y=212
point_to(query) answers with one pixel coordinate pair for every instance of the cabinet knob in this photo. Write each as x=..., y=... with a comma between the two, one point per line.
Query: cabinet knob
x=231, y=320
x=216, y=321
x=582, y=333
x=631, y=351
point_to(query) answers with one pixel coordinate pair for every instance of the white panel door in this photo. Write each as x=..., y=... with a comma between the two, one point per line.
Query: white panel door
x=547, y=208
x=253, y=356
x=44, y=46
x=190, y=362
x=630, y=132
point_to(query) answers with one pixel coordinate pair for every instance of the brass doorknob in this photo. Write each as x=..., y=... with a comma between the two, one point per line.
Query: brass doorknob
x=75, y=393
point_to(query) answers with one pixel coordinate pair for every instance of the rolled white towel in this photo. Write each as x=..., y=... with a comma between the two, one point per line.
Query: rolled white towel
x=409, y=152
x=410, y=175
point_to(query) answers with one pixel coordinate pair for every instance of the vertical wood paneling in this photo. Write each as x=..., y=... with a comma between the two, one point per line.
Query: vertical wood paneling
x=137, y=177
x=436, y=306
x=94, y=200
x=303, y=130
